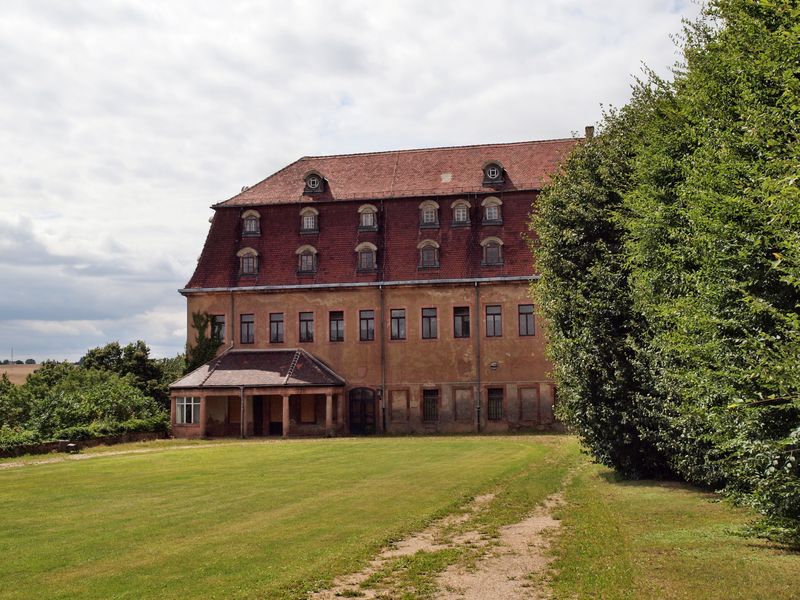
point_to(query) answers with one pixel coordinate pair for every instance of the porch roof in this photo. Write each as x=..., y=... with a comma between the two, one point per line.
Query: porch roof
x=261, y=368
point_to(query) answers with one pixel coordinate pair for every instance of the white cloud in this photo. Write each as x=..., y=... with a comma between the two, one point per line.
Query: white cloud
x=121, y=122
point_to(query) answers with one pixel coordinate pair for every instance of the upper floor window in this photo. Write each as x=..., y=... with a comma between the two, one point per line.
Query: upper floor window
x=398, y=323
x=429, y=214
x=527, y=325
x=492, y=251
x=248, y=261
x=336, y=325
x=460, y=212
x=367, y=217
x=306, y=259
x=275, y=328
x=306, y=326
x=315, y=183
x=461, y=321
x=429, y=329
x=365, y=256
x=492, y=173
x=247, y=328
x=494, y=321
x=428, y=254
x=218, y=328
x=309, y=220
x=251, y=223
x=492, y=213
x=366, y=325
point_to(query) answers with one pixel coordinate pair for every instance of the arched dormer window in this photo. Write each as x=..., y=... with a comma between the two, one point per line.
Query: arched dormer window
x=428, y=254
x=367, y=218
x=309, y=220
x=492, y=251
x=429, y=214
x=460, y=212
x=365, y=256
x=492, y=212
x=493, y=173
x=248, y=261
x=306, y=259
x=251, y=223
x=314, y=183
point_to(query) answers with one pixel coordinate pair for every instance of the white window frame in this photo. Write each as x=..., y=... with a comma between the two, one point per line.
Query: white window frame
x=187, y=406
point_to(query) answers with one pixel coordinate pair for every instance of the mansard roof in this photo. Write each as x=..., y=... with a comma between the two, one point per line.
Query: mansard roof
x=261, y=368
x=410, y=173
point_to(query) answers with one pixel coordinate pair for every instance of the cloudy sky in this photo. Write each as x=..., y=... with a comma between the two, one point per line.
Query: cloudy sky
x=121, y=122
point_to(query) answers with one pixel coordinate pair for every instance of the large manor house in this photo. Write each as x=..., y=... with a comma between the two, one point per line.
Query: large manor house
x=370, y=293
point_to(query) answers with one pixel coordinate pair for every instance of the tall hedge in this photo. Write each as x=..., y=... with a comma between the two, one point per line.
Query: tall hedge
x=699, y=224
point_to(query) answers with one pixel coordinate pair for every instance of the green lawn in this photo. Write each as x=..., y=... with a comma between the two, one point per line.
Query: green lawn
x=276, y=519
x=241, y=520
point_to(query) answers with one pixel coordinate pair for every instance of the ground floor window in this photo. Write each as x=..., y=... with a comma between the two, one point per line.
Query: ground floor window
x=495, y=404
x=187, y=410
x=430, y=406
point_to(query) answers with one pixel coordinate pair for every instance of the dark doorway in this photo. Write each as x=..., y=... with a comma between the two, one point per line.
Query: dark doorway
x=362, y=411
x=258, y=415
x=275, y=415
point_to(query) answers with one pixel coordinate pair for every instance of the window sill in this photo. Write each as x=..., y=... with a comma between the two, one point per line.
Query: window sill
x=372, y=270
x=370, y=228
x=306, y=273
x=493, y=183
x=245, y=275
x=494, y=222
x=490, y=265
x=429, y=225
x=456, y=224
x=309, y=232
x=251, y=234
x=428, y=268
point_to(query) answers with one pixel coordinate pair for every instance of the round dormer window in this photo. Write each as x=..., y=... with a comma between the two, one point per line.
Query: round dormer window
x=492, y=172
x=313, y=182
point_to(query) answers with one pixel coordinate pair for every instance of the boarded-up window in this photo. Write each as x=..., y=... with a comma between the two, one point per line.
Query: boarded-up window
x=399, y=399
x=546, y=403
x=465, y=409
x=529, y=399
x=234, y=410
x=308, y=413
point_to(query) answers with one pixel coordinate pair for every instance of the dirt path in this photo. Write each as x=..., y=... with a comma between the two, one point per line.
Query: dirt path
x=511, y=566
x=515, y=569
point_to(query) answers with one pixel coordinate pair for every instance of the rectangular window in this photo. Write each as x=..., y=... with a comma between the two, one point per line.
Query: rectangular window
x=307, y=262
x=460, y=214
x=526, y=322
x=306, y=326
x=218, y=328
x=461, y=322
x=249, y=264
x=247, y=328
x=336, y=325
x=309, y=222
x=430, y=406
x=276, y=328
x=367, y=219
x=495, y=404
x=187, y=411
x=429, y=324
x=366, y=260
x=494, y=321
x=366, y=325
x=398, y=317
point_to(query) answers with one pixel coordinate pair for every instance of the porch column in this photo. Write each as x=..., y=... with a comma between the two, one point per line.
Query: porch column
x=203, y=416
x=285, y=415
x=340, y=414
x=329, y=414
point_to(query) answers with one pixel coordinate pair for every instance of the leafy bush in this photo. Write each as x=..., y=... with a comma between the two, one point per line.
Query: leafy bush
x=13, y=438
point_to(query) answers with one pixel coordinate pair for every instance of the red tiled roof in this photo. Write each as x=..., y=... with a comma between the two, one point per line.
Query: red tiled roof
x=260, y=368
x=404, y=173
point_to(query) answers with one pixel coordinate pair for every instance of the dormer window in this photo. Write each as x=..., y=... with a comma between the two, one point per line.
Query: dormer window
x=428, y=254
x=306, y=259
x=429, y=214
x=315, y=183
x=492, y=251
x=460, y=212
x=492, y=213
x=309, y=220
x=365, y=257
x=248, y=261
x=251, y=226
x=493, y=173
x=367, y=218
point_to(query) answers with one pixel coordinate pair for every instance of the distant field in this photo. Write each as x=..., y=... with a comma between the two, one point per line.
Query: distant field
x=255, y=519
x=18, y=373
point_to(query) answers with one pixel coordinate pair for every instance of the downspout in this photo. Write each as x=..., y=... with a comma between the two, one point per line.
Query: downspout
x=233, y=322
x=383, y=358
x=242, y=424
x=478, y=356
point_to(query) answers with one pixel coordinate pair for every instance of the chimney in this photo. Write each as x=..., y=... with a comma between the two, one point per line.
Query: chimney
x=589, y=132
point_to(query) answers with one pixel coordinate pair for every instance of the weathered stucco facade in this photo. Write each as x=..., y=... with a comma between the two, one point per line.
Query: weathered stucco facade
x=477, y=364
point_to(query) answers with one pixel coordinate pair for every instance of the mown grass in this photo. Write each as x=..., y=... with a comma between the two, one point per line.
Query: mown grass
x=242, y=520
x=648, y=539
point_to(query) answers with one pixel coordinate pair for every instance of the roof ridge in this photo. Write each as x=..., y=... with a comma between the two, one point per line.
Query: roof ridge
x=249, y=187
x=435, y=148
